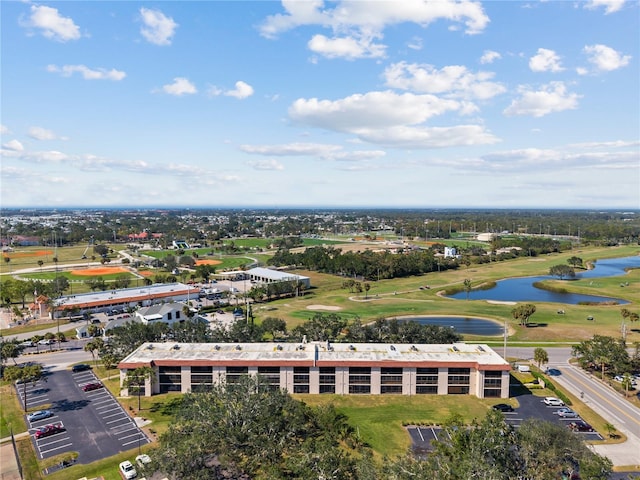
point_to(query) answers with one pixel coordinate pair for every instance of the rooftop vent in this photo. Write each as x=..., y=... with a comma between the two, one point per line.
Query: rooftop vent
x=149, y=347
x=217, y=347
x=238, y=347
x=455, y=349
x=279, y=347
x=300, y=347
x=176, y=347
x=480, y=348
x=352, y=348
x=414, y=348
x=392, y=348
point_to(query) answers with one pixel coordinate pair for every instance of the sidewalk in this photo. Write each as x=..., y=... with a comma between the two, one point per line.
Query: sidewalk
x=8, y=462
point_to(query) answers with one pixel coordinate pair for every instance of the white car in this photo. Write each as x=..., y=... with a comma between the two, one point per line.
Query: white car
x=127, y=470
x=553, y=402
x=143, y=460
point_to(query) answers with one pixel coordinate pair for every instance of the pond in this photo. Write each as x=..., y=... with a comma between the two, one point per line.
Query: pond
x=521, y=289
x=462, y=325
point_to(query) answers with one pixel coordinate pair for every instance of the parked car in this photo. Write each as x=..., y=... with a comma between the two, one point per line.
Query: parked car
x=91, y=386
x=81, y=367
x=27, y=343
x=503, y=407
x=39, y=415
x=553, y=402
x=580, y=426
x=46, y=341
x=127, y=470
x=566, y=413
x=48, y=430
x=143, y=459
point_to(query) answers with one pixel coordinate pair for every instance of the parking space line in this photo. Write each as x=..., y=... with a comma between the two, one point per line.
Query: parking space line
x=44, y=452
x=113, y=421
x=136, y=434
x=123, y=427
x=112, y=415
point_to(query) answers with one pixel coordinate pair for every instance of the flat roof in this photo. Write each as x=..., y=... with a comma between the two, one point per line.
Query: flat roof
x=477, y=356
x=274, y=274
x=124, y=295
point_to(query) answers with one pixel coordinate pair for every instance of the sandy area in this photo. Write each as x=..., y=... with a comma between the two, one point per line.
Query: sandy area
x=322, y=307
x=208, y=262
x=500, y=302
x=99, y=271
x=39, y=253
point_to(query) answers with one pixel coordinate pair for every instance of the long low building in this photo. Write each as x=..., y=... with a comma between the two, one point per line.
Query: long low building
x=126, y=298
x=322, y=367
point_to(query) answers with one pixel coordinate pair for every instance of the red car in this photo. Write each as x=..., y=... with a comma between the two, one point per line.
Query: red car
x=91, y=386
x=49, y=430
x=580, y=426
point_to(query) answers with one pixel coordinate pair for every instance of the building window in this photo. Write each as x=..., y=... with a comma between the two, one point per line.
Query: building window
x=300, y=379
x=426, y=381
x=169, y=317
x=271, y=375
x=169, y=379
x=327, y=383
x=201, y=375
x=233, y=374
x=359, y=380
x=177, y=315
x=492, y=384
x=390, y=380
x=458, y=381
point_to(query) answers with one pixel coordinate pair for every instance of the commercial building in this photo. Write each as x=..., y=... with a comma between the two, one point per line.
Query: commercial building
x=264, y=276
x=126, y=298
x=315, y=368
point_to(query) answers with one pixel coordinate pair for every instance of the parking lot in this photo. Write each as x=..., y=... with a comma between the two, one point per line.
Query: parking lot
x=94, y=424
x=531, y=406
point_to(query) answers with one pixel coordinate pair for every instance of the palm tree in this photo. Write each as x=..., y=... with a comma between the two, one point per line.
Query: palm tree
x=40, y=263
x=467, y=286
x=137, y=378
x=540, y=356
x=7, y=259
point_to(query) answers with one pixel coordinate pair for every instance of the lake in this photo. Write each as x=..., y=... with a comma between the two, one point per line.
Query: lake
x=521, y=289
x=462, y=325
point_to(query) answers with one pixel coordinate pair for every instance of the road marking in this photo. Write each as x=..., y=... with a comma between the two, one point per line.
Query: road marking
x=578, y=379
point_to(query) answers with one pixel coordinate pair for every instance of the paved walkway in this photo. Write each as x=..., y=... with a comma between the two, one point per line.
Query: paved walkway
x=8, y=463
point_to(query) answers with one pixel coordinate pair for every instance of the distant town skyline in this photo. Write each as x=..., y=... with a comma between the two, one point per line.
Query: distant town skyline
x=356, y=104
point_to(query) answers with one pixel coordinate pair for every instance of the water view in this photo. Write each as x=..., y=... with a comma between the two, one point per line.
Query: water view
x=522, y=289
x=462, y=325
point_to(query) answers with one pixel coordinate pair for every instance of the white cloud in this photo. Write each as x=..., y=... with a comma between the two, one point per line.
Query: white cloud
x=317, y=150
x=355, y=24
x=87, y=73
x=349, y=48
x=180, y=86
x=266, y=165
x=389, y=119
x=158, y=28
x=13, y=145
x=489, y=56
x=610, y=6
x=606, y=59
x=52, y=24
x=415, y=43
x=552, y=97
x=242, y=90
x=453, y=79
x=40, y=133
x=545, y=61
x=4, y=130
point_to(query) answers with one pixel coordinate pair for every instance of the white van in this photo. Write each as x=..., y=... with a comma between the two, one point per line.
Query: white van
x=524, y=368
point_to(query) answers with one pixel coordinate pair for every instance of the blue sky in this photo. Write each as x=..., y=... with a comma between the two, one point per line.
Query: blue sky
x=321, y=104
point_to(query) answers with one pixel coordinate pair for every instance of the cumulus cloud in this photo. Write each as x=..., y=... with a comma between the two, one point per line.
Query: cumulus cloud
x=51, y=24
x=40, y=133
x=88, y=73
x=242, y=90
x=610, y=6
x=266, y=165
x=489, y=56
x=552, y=97
x=455, y=80
x=415, y=43
x=356, y=24
x=605, y=59
x=545, y=61
x=157, y=27
x=13, y=145
x=4, y=129
x=180, y=86
x=349, y=48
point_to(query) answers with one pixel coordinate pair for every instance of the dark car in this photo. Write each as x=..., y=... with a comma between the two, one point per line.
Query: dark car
x=503, y=407
x=81, y=367
x=49, y=430
x=91, y=386
x=580, y=426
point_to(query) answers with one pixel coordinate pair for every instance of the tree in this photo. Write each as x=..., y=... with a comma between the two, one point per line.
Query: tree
x=467, y=286
x=574, y=261
x=603, y=352
x=274, y=326
x=94, y=346
x=523, y=313
x=24, y=375
x=137, y=378
x=9, y=350
x=7, y=259
x=540, y=356
x=562, y=271
x=40, y=263
x=367, y=287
